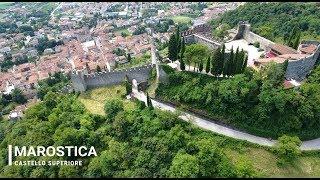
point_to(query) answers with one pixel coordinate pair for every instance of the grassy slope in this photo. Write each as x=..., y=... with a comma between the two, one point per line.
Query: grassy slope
x=94, y=99
x=263, y=160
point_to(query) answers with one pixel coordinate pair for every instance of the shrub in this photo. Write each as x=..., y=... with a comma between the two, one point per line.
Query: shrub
x=256, y=44
x=112, y=107
x=288, y=148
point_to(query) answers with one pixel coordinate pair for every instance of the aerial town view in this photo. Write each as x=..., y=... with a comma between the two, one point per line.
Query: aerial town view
x=159, y=89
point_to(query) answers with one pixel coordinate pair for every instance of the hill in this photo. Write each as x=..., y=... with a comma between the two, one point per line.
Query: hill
x=276, y=20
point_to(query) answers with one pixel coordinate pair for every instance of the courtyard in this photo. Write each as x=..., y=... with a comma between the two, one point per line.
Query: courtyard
x=253, y=52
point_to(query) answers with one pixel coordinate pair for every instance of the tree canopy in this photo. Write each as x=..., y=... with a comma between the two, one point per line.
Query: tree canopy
x=275, y=20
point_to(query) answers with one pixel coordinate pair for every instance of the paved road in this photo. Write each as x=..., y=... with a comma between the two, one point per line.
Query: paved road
x=209, y=125
x=52, y=13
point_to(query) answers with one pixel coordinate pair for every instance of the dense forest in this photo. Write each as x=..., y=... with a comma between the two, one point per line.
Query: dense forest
x=276, y=20
x=256, y=102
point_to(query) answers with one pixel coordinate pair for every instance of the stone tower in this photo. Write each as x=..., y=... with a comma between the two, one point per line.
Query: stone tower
x=78, y=82
x=161, y=75
x=243, y=28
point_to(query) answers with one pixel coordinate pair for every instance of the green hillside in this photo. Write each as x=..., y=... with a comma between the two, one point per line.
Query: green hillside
x=276, y=20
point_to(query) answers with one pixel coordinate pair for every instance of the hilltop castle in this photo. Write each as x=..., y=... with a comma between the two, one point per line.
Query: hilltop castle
x=301, y=61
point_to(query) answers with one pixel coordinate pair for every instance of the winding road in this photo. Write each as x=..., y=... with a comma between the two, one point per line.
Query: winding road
x=211, y=126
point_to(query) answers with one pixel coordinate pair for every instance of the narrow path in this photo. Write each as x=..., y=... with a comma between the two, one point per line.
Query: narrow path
x=211, y=126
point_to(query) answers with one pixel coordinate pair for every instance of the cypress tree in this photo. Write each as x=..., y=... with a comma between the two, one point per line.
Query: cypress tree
x=149, y=103
x=237, y=64
x=229, y=63
x=182, y=65
x=178, y=42
x=172, y=48
x=245, y=61
x=297, y=40
x=183, y=48
x=215, y=62
x=128, y=85
x=293, y=37
x=222, y=60
x=208, y=65
x=200, y=66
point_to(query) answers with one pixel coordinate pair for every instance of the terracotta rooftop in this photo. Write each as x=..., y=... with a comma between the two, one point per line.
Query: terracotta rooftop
x=273, y=59
x=282, y=49
x=309, y=49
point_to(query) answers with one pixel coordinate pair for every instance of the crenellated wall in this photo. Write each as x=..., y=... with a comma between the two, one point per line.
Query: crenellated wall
x=82, y=81
x=191, y=36
x=211, y=44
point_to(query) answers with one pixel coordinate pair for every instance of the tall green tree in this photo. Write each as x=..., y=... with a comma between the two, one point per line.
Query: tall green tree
x=294, y=38
x=200, y=66
x=183, y=48
x=172, y=48
x=297, y=40
x=215, y=63
x=127, y=84
x=182, y=65
x=149, y=102
x=230, y=64
x=175, y=44
x=208, y=64
x=244, y=58
x=237, y=63
x=178, y=41
x=222, y=60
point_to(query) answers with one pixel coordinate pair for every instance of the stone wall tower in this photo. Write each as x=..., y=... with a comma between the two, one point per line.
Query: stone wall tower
x=243, y=29
x=161, y=75
x=78, y=82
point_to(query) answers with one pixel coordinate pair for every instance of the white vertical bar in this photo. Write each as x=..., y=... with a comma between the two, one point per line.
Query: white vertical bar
x=10, y=155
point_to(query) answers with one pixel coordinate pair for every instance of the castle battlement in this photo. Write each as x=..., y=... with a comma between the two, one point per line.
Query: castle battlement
x=81, y=81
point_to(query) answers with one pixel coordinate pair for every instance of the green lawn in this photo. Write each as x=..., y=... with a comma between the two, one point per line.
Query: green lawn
x=95, y=99
x=265, y=162
x=4, y=5
x=181, y=19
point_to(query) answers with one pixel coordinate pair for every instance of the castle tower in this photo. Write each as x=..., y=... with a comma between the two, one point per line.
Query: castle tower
x=161, y=75
x=78, y=82
x=243, y=29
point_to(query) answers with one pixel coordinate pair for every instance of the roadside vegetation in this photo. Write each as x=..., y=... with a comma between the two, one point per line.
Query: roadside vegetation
x=256, y=102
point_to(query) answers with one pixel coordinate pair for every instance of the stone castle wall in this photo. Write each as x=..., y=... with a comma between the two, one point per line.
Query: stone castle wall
x=81, y=81
x=252, y=38
x=78, y=82
x=191, y=36
x=245, y=33
x=299, y=69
